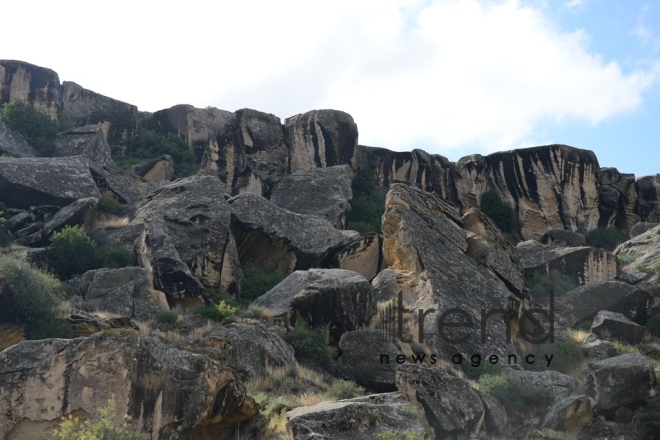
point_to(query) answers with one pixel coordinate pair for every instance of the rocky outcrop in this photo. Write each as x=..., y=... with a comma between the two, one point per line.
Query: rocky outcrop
x=640, y=228
x=560, y=237
x=569, y=415
x=321, y=192
x=86, y=324
x=362, y=417
x=583, y=304
x=640, y=254
x=81, y=213
x=10, y=335
x=21, y=81
x=623, y=380
x=363, y=256
x=88, y=141
x=185, y=242
x=550, y=187
x=648, y=190
x=268, y=235
x=361, y=359
x=322, y=296
x=560, y=385
x=120, y=186
x=12, y=144
x=598, y=349
x=35, y=181
x=583, y=264
x=167, y=392
x=159, y=169
x=614, y=326
x=618, y=200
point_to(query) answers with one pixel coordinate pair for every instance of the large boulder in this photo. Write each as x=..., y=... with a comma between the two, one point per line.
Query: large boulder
x=614, y=326
x=640, y=252
x=624, y=380
x=583, y=303
x=13, y=144
x=560, y=385
x=583, y=264
x=21, y=81
x=618, y=200
x=641, y=228
x=361, y=359
x=322, y=296
x=35, y=181
x=362, y=417
x=88, y=141
x=571, y=414
x=159, y=169
x=560, y=237
x=321, y=192
x=272, y=236
x=82, y=213
x=648, y=190
x=168, y=393
x=363, y=256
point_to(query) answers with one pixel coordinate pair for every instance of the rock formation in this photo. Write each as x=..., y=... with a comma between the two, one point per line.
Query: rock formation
x=612, y=326
x=363, y=256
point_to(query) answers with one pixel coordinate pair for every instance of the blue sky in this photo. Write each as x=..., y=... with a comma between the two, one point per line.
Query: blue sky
x=453, y=77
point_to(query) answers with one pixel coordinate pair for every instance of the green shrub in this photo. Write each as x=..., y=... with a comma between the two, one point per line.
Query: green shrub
x=656, y=268
x=114, y=257
x=5, y=237
x=486, y=368
x=150, y=144
x=344, y=389
x=567, y=356
x=217, y=313
x=259, y=280
x=38, y=129
x=653, y=326
x=168, y=317
x=368, y=203
x=500, y=212
x=71, y=252
x=607, y=238
x=310, y=344
x=623, y=348
x=647, y=419
x=33, y=301
x=513, y=396
x=110, y=205
x=103, y=429
x=407, y=410
x=540, y=286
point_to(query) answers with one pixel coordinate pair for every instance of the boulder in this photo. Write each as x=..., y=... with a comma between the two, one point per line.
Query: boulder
x=125, y=292
x=19, y=221
x=320, y=192
x=35, y=181
x=88, y=141
x=618, y=200
x=337, y=297
x=321, y=138
x=571, y=415
x=268, y=235
x=386, y=285
x=86, y=324
x=184, y=239
x=583, y=264
x=81, y=213
x=641, y=228
x=583, y=303
x=159, y=169
x=648, y=190
x=166, y=392
x=560, y=385
x=363, y=256
x=364, y=417
x=449, y=407
x=624, y=380
x=13, y=144
x=487, y=245
x=559, y=237
x=122, y=187
x=641, y=252
x=614, y=326
x=599, y=349
x=362, y=359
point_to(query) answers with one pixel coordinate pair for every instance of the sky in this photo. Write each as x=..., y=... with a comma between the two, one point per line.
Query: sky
x=452, y=77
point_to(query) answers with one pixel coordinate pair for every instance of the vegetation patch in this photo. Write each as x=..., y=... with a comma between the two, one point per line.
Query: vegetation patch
x=500, y=212
x=653, y=326
x=344, y=389
x=38, y=129
x=259, y=280
x=149, y=145
x=310, y=344
x=607, y=238
x=73, y=428
x=513, y=395
x=540, y=286
x=368, y=205
x=647, y=419
x=108, y=205
x=217, y=313
x=567, y=357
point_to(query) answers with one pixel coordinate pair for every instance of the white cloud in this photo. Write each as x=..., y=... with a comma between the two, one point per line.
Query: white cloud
x=443, y=74
x=571, y=4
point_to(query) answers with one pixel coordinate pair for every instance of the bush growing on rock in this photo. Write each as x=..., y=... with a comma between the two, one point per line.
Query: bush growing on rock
x=541, y=286
x=5, y=237
x=344, y=389
x=513, y=395
x=647, y=419
x=567, y=356
x=259, y=280
x=115, y=257
x=607, y=238
x=653, y=326
x=38, y=129
x=217, y=313
x=103, y=429
x=368, y=203
x=150, y=144
x=110, y=205
x=310, y=344
x=501, y=213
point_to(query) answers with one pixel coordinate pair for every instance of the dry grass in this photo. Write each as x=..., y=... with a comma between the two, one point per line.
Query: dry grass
x=578, y=335
x=263, y=314
x=111, y=222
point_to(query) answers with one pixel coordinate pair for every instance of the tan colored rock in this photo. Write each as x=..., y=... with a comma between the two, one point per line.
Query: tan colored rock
x=641, y=252
x=363, y=256
x=648, y=190
x=10, y=336
x=618, y=200
x=571, y=415
x=611, y=326
x=160, y=169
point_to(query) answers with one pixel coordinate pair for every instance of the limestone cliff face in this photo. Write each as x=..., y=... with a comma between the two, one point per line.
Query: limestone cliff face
x=20, y=81
x=618, y=200
x=551, y=187
x=648, y=190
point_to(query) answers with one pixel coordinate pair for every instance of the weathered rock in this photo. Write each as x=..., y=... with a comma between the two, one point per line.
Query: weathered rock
x=387, y=285
x=34, y=181
x=642, y=251
x=363, y=256
x=19, y=221
x=641, y=228
x=13, y=144
x=362, y=417
x=85, y=324
x=583, y=303
x=618, y=200
x=550, y=187
x=81, y=213
x=185, y=241
x=559, y=237
x=424, y=245
x=21, y=81
x=428, y=172
x=321, y=192
x=271, y=236
x=560, y=385
x=449, y=407
x=361, y=359
x=648, y=190
x=623, y=380
x=88, y=141
x=487, y=245
x=322, y=296
x=614, y=326
x=321, y=138
x=159, y=169
x=124, y=292
x=571, y=414
x=166, y=392
x=121, y=186
x=584, y=264
x=10, y=335
x=599, y=349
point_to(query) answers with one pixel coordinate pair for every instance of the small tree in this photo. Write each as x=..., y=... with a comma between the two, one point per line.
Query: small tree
x=71, y=252
x=103, y=429
x=368, y=203
x=501, y=213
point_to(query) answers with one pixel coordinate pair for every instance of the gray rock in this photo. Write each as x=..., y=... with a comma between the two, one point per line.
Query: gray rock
x=322, y=296
x=614, y=326
x=648, y=190
x=269, y=235
x=13, y=144
x=159, y=169
x=386, y=285
x=124, y=189
x=88, y=141
x=560, y=237
x=362, y=417
x=571, y=414
x=363, y=256
x=361, y=352
x=85, y=324
x=599, y=349
x=21, y=81
x=641, y=228
x=583, y=303
x=618, y=200
x=19, y=221
x=33, y=181
x=642, y=251
x=321, y=192
x=81, y=213
x=560, y=385
x=620, y=381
